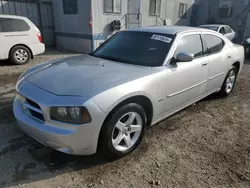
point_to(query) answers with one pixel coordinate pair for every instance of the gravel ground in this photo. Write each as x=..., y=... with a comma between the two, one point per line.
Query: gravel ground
x=205, y=145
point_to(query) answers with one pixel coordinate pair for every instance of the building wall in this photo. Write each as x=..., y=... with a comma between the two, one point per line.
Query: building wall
x=73, y=31
x=101, y=21
x=209, y=13
x=169, y=12
x=39, y=13
x=238, y=19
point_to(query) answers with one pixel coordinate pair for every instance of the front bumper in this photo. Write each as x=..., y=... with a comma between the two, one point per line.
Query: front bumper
x=70, y=139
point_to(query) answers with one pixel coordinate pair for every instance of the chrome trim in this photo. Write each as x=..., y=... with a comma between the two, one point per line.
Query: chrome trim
x=184, y=90
x=16, y=35
x=216, y=76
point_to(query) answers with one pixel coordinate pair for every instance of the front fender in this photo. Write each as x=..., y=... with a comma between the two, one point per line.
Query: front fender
x=111, y=98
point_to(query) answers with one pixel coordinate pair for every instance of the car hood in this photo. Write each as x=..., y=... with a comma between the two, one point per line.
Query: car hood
x=77, y=76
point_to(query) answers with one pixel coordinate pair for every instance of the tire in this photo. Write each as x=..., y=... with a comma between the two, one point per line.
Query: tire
x=115, y=136
x=19, y=55
x=229, y=82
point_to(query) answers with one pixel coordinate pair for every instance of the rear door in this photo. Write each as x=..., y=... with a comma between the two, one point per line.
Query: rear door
x=217, y=60
x=186, y=81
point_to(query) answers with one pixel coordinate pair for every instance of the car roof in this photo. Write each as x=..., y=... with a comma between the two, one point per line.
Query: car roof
x=11, y=16
x=172, y=30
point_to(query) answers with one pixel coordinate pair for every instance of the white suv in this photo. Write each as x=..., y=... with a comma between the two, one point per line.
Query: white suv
x=20, y=39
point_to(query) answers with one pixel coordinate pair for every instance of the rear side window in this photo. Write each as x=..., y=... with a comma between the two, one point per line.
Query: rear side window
x=214, y=44
x=228, y=29
x=190, y=44
x=13, y=25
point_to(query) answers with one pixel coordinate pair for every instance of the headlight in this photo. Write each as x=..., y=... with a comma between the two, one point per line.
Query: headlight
x=74, y=115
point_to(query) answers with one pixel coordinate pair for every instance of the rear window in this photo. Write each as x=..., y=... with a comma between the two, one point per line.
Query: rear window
x=13, y=25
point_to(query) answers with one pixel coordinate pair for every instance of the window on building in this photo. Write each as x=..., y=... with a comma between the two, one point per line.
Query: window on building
x=214, y=44
x=182, y=11
x=112, y=6
x=184, y=45
x=70, y=6
x=155, y=7
x=225, y=11
x=13, y=25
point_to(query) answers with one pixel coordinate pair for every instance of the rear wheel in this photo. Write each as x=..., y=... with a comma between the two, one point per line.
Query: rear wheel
x=229, y=82
x=124, y=130
x=19, y=55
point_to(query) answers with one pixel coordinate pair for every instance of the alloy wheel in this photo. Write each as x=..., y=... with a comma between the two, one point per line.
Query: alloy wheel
x=127, y=131
x=230, y=81
x=21, y=55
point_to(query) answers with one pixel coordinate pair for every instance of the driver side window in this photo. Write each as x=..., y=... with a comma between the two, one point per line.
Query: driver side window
x=190, y=44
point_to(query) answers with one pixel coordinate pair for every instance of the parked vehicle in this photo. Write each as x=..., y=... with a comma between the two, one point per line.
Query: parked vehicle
x=246, y=44
x=225, y=30
x=20, y=39
x=107, y=99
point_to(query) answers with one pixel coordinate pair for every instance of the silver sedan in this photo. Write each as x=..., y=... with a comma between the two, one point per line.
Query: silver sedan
x=107, y=99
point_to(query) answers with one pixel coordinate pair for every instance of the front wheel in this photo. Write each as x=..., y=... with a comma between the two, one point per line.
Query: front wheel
x=229, y=82
x=124, y=130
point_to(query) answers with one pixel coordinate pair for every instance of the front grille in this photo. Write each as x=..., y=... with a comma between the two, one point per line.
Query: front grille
x=37, y=115
x=32, y=103
x=32, y=108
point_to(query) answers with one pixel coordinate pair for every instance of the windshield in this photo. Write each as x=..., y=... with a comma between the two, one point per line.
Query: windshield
x=137, y=48
x=210, y=27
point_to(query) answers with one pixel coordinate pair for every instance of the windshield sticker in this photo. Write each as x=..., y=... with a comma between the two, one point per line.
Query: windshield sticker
x=161, y=38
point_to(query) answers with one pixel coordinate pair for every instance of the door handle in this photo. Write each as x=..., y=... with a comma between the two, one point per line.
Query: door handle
x=204, y=64
x=229, y=57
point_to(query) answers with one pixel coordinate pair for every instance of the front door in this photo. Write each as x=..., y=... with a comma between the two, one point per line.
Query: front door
x=186, y=81
x=133, y=16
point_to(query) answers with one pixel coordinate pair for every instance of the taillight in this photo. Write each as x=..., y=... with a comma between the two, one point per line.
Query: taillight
x=39, y=36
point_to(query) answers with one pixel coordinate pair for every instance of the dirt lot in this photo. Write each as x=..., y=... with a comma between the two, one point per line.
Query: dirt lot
x=205, y=145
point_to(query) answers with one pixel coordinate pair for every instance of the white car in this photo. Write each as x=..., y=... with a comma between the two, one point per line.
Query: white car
x=20, y=39
x=225, y=30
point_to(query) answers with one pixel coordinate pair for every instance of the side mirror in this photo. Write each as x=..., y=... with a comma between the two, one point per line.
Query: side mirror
x=185, y=57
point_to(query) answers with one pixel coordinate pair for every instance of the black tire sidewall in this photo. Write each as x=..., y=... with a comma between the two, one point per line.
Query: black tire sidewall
x=107, y=130
x=223, y=91
x=12, y=53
